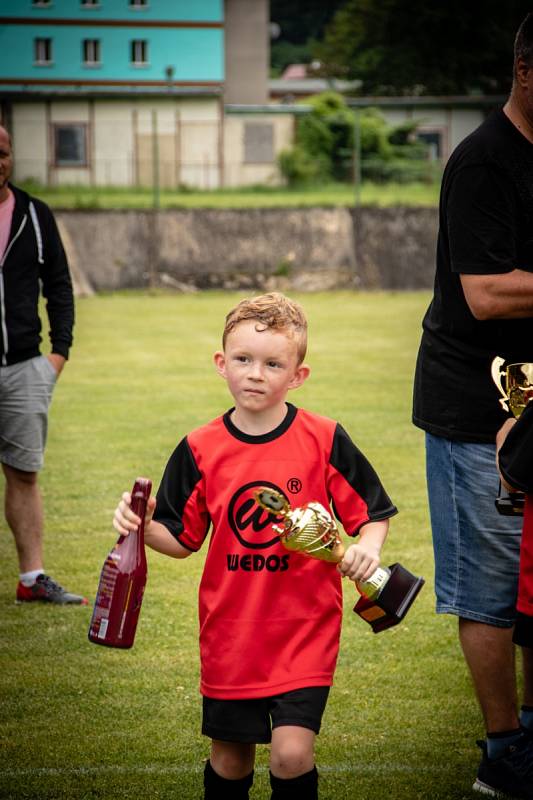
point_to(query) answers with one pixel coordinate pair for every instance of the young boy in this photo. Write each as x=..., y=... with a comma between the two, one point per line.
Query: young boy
x=515, y=461
x=514, y=444
x=269, y=619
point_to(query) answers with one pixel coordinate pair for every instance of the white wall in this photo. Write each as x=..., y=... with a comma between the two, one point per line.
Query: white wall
x=120, y=141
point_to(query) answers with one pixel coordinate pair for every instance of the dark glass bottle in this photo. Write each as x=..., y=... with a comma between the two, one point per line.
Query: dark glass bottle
x=122, y=581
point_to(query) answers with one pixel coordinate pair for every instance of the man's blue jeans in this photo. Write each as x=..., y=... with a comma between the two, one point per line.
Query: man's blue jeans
x=476, y=549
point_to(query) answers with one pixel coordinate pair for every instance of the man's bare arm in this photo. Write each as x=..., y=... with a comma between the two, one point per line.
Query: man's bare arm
x=505, y=296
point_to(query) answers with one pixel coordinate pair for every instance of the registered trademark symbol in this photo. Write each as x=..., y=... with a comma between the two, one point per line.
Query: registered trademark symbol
x=294, y=485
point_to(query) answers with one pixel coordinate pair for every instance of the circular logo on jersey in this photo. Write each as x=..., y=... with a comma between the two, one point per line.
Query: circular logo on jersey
x=251, y=524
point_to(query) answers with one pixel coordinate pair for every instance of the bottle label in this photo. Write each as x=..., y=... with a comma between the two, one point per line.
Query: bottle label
x=104, y=622
x=104, y=597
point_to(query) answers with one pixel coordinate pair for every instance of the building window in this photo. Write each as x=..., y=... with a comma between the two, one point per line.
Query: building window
x=258, y=143
x=90, y=3
x=138, y=3
x=91, y=52
x=139, y=52
x=433, y=139
x=70, y=145
x=43, y=51
x=42, y=3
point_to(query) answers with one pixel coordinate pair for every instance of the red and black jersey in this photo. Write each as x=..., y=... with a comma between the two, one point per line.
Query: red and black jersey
x=269, y=619
x=516, y=466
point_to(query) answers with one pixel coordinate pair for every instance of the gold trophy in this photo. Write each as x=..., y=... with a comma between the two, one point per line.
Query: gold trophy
x=518, y=384
x=515, y=384
x=311, y=530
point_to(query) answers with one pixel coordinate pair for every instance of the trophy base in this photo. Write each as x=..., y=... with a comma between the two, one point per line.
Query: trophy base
x=393, y=602
x=510, y=504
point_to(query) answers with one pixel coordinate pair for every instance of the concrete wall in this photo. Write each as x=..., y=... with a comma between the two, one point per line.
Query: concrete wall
x=300, y=249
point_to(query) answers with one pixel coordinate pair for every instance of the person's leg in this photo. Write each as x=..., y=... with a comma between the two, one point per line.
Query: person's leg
x=476, y=562
x=25, y=393
x=232, y=760
x=526, y=714
x=228, y=773
x=296, y=720
x=490, y=655
x=24, y=515
x=292, y=764
x=527, y=661
x=234, y=726
x=476, y=578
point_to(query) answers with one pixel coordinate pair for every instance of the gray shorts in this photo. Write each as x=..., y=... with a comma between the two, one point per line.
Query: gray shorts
x=25, y=394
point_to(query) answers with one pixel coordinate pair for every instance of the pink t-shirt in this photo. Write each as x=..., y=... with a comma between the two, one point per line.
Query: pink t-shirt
x=6, y=215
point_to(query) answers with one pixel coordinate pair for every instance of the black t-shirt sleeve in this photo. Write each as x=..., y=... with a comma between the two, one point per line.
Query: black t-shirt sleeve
x=357, y=493
x=481, y=221
x=180, y=499
x=516, y=454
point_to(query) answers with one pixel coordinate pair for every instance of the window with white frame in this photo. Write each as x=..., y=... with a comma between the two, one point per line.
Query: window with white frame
x=90, y=3
x=42, y=50
x=70, y=145
x=138, y=3
x=139, y=52
x=91, y=52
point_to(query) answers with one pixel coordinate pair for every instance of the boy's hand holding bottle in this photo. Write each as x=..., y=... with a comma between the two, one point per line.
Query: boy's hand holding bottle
x=125, y=520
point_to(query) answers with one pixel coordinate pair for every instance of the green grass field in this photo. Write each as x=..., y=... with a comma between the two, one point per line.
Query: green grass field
x=81, y=722
x=329, y=195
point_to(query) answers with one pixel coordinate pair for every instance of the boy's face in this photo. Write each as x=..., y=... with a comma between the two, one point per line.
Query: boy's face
x=259, y=366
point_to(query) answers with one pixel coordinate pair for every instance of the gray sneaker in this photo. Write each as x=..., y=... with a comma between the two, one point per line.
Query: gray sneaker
x=508, y=776
x=45, y=590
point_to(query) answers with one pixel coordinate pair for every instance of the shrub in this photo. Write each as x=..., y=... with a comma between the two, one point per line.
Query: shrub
x=400, y=170
x=298, y=167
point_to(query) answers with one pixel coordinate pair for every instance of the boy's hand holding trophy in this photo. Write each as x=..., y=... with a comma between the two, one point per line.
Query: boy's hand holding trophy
x=310, y=529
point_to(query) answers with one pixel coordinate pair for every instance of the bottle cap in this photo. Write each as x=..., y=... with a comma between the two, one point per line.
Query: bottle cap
x=142, y=488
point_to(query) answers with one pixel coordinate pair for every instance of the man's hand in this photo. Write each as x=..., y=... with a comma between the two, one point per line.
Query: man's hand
x=57, y=361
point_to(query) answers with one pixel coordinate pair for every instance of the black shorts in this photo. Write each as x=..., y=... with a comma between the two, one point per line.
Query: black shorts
x=523, y=630
x=252, y=721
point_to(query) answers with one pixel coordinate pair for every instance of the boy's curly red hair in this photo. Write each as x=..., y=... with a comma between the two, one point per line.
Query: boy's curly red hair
x=272, y=311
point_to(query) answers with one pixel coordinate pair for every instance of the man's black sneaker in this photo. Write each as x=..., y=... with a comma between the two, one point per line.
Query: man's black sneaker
x=45, y=590
x=508, y=776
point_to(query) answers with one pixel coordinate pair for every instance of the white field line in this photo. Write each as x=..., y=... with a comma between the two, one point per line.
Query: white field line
x=159, y=769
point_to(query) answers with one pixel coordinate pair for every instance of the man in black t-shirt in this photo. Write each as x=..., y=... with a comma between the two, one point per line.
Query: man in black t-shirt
x=482, y=308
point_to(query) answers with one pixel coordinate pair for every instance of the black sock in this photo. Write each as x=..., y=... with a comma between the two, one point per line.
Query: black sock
x=218, y=788
x=526, y=717
x=304, y=787
x=498, y=743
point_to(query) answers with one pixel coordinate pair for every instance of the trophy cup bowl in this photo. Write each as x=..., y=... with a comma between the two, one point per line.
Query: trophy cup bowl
x=515, y=384
x=518, y=388
x=386, y=595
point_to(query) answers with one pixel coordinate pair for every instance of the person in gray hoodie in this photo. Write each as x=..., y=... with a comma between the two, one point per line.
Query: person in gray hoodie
x=32, y=260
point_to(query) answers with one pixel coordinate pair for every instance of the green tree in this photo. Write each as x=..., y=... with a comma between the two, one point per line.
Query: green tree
x=416, y=47
x=301, y=24
x=324, y=148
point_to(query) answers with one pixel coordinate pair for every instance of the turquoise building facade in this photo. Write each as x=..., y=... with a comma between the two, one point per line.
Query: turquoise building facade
x=134, y=92
x=118, y=44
